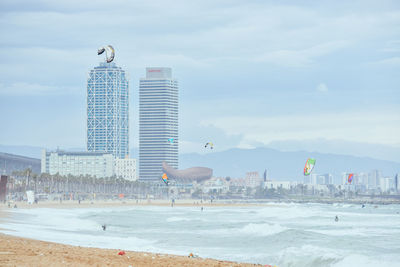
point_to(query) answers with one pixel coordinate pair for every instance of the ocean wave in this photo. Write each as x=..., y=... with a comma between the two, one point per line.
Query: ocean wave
x=178, y=219
x=262, y=229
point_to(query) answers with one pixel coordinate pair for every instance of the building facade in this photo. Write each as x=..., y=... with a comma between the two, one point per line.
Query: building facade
x=96, y=164
x=108, y=110
x=158, y=123
x=253, y=179
x=126, y=169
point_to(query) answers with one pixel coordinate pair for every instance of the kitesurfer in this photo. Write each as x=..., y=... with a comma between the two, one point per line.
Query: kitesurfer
x=336, y=218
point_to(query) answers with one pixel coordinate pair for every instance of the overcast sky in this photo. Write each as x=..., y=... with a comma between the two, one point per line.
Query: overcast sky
x=249, y=72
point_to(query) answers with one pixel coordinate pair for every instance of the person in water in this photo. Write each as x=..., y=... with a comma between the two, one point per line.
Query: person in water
x=104, y=227
x=336, y=218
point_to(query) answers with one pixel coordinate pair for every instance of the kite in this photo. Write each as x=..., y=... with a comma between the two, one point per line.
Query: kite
x=209, y=144
x=350, y=178
x=309, y=166
x=171, y=140
x=165, y=178
x=110, y=52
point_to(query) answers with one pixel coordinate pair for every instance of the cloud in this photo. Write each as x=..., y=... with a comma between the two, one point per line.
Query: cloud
x=29, y=89
x=392, y=46
x=322, y=88
x=301, y=57
x=350, y=126
x=393, y=61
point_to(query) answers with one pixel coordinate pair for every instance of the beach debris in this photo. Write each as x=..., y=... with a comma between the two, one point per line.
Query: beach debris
x=350, y=178
x=121, y=253
x=210, y=145
x=310, y=163
x=110, y=52
x=191, y=255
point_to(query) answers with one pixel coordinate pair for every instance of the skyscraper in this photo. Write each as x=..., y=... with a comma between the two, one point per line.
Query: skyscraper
x=158, y=123
x=108, y=110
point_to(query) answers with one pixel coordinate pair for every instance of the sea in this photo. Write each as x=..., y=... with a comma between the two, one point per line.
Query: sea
x=278, y=234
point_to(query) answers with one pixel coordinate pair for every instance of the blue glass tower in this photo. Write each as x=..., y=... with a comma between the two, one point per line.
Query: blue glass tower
x=158, y=123
x=108, y=110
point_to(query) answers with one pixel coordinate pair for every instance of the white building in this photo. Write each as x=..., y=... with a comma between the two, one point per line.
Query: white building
x=126, y=168
x=158, y=123
x=279, y=184
x=253, y=179
x=321, y=179
x=385, y=184
x=78, y=163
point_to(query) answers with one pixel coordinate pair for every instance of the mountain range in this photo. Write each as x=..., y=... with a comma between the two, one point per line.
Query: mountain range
x=281, y=165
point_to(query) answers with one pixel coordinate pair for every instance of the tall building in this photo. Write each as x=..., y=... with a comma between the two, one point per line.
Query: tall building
x=158, y=123
x=108, y=110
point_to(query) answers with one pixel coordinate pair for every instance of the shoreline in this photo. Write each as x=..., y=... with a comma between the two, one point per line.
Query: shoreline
x=22, y=251
x=192, y=203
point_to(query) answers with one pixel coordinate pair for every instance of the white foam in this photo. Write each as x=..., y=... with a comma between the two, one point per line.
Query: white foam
x=262, y=229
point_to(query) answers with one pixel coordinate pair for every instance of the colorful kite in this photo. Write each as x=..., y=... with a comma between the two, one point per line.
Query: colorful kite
x=165, y=178
x=350, y=178
x=110, y=52
x=309, y=166
x=171, y=140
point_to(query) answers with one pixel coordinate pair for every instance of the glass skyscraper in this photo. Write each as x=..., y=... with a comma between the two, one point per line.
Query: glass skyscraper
x=158, y=123
x=108, y=110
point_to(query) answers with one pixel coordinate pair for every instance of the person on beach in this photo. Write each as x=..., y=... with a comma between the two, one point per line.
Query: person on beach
x=336, y=218
x=104, y=227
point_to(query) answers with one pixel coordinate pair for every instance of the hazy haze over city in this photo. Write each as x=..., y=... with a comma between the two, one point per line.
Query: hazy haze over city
x=251, y=73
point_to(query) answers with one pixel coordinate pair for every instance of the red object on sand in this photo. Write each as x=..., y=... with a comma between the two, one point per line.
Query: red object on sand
x=121, y=253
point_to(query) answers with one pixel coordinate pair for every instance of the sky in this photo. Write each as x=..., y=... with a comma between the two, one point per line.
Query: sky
x=251, y=73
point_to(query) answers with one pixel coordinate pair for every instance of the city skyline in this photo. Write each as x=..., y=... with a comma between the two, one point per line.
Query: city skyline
x=255, y=73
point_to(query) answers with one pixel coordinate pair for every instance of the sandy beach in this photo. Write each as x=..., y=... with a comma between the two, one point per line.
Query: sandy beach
x=16, y=251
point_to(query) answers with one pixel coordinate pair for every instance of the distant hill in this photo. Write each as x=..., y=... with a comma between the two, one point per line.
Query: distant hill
x=283, y=165
x=27, y=151
x=10, y=163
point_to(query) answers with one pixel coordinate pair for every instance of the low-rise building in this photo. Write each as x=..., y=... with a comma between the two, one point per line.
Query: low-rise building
x=126, y=169
x=96, y=164
x=253, y=179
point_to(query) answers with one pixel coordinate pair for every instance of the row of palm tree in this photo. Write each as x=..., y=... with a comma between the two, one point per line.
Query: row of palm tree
x=21, y=181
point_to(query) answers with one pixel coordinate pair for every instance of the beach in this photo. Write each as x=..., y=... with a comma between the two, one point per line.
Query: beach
x=153, y=233
x=16, y=251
